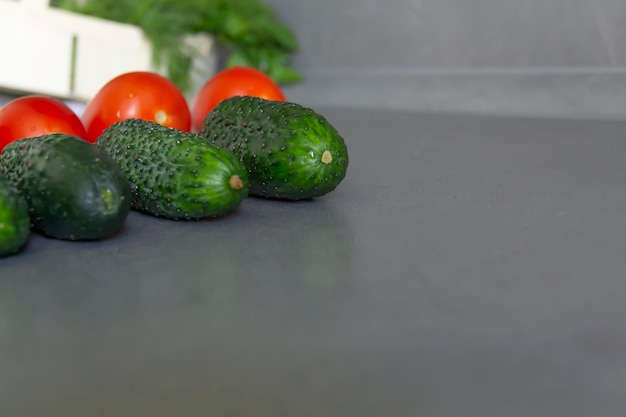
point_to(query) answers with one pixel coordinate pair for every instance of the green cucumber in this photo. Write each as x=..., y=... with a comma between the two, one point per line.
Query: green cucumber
x=175, y=174
x=74, y=191
x=291, y=152
x=14, y=219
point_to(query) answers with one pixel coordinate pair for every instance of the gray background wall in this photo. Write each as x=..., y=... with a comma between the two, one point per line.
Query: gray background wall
x=540, y=57
x=564, y=58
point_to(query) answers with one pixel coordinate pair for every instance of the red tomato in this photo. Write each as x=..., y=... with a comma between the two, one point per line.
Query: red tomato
x=136, y=95
x=36, y=115
x=235, y=81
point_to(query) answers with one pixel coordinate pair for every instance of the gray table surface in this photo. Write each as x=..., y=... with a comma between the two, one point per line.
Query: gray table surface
x=467, y=266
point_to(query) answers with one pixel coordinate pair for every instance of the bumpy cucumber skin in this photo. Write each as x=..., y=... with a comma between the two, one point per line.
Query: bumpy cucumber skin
x=291, y=152
x=74, y=191
x=14, y=219
x=175, y=174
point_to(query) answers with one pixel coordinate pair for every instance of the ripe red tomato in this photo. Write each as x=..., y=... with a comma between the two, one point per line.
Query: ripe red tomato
x=235, y=81
x=36, y=115
x=139, y=95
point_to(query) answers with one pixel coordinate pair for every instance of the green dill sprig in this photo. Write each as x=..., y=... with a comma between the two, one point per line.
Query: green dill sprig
x=248, y=29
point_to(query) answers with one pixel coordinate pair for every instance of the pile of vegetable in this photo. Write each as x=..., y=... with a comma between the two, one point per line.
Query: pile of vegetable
x=138, y=145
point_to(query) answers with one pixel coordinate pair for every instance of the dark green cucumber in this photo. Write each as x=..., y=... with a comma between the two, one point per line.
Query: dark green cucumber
x=14, y=219
x=175, y=174
x=291, y=152
x=74, y=191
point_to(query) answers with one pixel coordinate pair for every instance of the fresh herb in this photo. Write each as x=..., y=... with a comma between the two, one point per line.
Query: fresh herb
x=247, y=29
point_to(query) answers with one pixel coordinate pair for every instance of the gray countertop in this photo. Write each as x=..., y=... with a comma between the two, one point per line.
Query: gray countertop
x=467, y=266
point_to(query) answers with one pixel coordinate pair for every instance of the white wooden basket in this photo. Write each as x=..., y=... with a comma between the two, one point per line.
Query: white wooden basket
x=55, y=52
